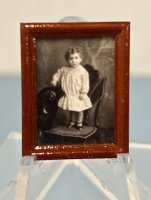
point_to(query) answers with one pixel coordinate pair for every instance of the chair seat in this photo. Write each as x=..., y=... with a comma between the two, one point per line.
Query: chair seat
x=64, y=131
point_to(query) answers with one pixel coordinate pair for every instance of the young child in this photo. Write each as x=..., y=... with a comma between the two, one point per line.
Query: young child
x=75, y=85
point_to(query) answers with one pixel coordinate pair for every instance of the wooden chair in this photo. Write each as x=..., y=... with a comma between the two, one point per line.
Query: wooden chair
x=61, y=134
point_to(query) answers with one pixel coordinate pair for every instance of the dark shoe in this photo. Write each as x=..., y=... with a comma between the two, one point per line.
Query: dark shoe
x=79, y=127
x=71, y=125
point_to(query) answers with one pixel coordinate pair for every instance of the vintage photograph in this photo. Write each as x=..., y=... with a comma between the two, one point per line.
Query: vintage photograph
x=75, y=90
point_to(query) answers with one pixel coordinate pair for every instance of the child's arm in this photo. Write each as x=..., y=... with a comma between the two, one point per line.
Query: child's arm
x=85, y=85
x=56, y=77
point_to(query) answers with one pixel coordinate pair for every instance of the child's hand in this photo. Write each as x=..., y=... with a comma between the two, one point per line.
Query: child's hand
x=52, y=84
x=82, y=96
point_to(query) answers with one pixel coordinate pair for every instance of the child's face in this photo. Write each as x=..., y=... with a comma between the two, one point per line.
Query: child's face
x=74, y=60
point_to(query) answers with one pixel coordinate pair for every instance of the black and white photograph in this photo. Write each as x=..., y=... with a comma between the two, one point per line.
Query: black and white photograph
x=75, y=90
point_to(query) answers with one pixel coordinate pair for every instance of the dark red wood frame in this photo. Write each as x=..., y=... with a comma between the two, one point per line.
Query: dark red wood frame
x=30, y=32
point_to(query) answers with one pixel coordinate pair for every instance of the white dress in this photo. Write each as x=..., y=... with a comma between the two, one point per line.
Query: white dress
x=74, y=81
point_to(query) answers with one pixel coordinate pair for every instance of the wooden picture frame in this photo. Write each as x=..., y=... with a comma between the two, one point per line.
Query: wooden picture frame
x=38, y=41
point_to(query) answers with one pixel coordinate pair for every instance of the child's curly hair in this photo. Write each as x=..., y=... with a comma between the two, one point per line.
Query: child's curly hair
x=72, y=50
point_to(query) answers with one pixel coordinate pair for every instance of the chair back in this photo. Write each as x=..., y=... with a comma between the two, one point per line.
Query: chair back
x=96, y=95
